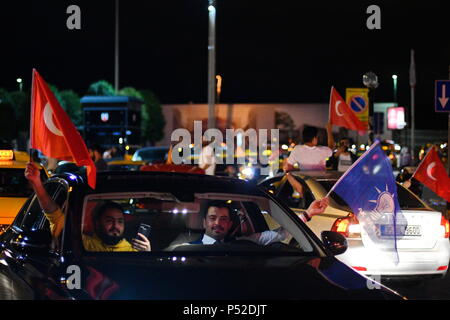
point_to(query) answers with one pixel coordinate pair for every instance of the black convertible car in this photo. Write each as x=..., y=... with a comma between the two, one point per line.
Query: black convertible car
x=35, y=265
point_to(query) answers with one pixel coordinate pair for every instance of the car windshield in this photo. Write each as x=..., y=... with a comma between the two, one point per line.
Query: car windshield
x=14, y=184
x=327, y=185
x=157, y=154
x=406, y=199
x=252, y=223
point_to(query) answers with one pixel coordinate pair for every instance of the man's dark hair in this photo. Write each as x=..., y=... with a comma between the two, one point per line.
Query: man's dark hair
x=205, y=205
x=309, y=133
x=105, y=207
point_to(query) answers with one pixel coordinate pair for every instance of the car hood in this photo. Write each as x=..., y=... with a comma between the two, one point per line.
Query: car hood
x=223, y=277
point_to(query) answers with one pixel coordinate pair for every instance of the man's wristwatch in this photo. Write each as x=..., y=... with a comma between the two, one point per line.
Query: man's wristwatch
x=305, y=214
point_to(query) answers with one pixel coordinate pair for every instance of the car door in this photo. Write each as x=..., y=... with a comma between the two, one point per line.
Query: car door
x=30, y=254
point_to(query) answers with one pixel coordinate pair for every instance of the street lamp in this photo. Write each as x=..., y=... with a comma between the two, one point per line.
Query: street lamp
x=370, y=80
x=219, y=87
x=394, y=78
x=20, y=82
x=211, y=64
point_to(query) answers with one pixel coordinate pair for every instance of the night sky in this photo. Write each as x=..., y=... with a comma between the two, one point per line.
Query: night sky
x=267, y=51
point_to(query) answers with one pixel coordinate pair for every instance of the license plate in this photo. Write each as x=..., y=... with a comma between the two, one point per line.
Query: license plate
x=402, y=231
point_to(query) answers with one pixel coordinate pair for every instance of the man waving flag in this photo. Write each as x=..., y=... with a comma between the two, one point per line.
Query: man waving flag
x=369, y=188
x=341, y=114
x=53, y=133
x=431, y=172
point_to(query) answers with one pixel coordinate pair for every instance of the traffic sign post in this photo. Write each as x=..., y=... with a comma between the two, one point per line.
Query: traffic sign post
x=442, y=96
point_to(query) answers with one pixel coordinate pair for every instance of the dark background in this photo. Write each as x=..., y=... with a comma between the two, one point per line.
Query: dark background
x=267, y=51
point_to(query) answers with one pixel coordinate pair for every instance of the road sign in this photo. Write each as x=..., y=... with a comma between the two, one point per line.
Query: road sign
x=358, y=100
x=442, y=96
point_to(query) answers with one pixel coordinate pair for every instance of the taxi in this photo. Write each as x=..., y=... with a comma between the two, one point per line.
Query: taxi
x=14, y=188
x=125, y=165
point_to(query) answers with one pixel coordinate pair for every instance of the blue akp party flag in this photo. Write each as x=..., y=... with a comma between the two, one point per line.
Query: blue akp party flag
x=369, y=188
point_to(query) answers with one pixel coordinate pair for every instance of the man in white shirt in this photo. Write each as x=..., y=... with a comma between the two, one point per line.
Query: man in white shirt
x=217, y=223
x=207, y=160
x=310, y=156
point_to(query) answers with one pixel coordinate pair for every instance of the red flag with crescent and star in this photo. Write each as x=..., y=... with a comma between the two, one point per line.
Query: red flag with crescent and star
x=431, y=172
x=53, y=133
x=341, y=114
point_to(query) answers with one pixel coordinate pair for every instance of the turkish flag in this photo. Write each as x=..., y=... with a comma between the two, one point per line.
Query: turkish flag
x=53, y=133
x=341, y=114
x=431, y=172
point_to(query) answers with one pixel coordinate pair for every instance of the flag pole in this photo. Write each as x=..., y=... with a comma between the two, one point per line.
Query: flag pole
x=412, y=83
x=31, y=114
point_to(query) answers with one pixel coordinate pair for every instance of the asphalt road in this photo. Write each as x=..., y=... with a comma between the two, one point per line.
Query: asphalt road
x=435, y=289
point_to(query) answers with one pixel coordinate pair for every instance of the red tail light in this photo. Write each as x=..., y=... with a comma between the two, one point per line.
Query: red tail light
x=348, y=226
x=442, y=268
x=446, y=225
x=360, y=268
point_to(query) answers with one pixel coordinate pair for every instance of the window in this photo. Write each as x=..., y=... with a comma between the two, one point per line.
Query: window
x=176, y=223
x=32, y=216
x=407, y=200
x=14, y=184
x=327, y=185
x=294, y=199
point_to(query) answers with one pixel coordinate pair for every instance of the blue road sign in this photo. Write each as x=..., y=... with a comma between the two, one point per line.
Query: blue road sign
x=442, y=96
x=358, y=104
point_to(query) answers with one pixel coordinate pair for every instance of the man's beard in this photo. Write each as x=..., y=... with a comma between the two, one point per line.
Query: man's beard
x=109, y=240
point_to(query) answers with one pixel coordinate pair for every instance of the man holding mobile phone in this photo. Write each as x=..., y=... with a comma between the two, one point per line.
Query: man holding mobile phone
x=108, y=220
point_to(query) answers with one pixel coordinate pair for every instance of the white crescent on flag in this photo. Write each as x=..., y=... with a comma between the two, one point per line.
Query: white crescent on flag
x=429, y=168
x=336, y=106
x=48, y=119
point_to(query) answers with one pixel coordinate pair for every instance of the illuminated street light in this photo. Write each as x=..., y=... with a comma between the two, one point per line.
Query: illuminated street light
x=20, y=82
x=394, y=77
x=370, y=80
x=219, y=87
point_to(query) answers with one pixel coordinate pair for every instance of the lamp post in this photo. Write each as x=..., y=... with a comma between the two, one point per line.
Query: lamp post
x=20, y=82
x=370, y=80
x=219, y=87
x=212, y=64
x=394, y=78
x=116, y=51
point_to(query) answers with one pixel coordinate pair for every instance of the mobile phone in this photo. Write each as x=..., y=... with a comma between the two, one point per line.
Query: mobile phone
x=144, y=229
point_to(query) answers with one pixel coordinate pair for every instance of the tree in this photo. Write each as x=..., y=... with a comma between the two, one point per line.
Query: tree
x=153, y=121
x=70, y=101
x=130, y=92
x=21, y=102
x=4, y=96
x=101, y=88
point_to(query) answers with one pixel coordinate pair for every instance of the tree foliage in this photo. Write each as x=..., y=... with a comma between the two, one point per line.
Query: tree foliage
x=8, y=124
x=101, y=88
x=153, y=121
x=70, y=101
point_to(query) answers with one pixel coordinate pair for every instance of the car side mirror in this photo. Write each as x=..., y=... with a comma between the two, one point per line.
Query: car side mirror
x=335, y=242
x=38, y=241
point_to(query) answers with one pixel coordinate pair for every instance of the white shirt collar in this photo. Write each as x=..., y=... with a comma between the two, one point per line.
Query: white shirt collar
x=208, y=240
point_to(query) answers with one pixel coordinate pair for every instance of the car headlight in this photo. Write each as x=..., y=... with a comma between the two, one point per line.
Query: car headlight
x=248, y=172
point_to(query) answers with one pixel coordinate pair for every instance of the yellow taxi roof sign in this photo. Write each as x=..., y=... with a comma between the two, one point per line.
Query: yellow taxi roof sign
x=6, y=155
